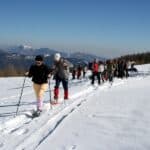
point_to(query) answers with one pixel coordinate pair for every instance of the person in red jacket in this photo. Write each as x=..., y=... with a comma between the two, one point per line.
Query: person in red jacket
x=95, y=72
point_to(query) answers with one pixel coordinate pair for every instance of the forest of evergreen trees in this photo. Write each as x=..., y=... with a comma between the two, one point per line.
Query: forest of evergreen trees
x=140, y=58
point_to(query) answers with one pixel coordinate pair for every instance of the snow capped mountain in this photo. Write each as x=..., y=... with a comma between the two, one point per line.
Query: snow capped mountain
x=29, y=50
x=25, y=47
x=21, y=50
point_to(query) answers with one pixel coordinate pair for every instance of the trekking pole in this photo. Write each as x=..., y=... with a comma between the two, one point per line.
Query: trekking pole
x=50, y=96
x=20, y=96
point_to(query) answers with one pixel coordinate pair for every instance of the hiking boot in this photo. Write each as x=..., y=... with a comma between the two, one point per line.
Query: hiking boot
x=37, y=113
x=66, y=98
x=54, y=102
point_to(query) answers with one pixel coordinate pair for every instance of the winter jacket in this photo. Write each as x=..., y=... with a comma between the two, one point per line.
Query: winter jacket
x=95, y=67
x=101, y=68
x=39, y=74
x=61, y=70
x=110, y=68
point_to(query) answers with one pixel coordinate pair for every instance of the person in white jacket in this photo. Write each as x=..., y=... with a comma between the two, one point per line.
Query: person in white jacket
x=101, y=70
x=61, y=74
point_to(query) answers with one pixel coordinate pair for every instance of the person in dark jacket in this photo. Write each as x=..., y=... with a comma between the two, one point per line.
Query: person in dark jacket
x=74, y=73
x=79, y=70
x=40, y=74
x=110, y=70
x=61, y=74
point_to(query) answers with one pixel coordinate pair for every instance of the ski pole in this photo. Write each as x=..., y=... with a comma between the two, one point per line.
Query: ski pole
x=20, y=96
x=50, y=96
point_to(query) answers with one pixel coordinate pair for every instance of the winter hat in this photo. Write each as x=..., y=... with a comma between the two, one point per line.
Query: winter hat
x=38, y=58
x=57, y=57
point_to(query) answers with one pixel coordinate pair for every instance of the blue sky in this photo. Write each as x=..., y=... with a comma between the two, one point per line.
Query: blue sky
x=104, y=27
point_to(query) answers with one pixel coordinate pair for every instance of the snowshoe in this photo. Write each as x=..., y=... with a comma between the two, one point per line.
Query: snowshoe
x=54, y=102
x=36, y=113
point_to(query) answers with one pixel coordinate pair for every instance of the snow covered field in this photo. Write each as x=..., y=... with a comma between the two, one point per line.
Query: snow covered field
x=96, y=117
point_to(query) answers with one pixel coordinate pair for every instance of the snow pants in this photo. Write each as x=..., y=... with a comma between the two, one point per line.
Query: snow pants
x=65, y=87
x=93, y=77
x=39, y=90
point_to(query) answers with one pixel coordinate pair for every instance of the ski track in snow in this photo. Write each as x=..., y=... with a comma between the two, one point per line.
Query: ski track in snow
x=20, y=127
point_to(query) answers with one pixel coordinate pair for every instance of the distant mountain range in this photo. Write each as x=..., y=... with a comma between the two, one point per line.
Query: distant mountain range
x=28, y=50
x=23, y=56
x=86, y=57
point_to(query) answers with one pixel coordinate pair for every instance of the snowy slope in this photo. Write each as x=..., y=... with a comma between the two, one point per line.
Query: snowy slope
x=95, y=118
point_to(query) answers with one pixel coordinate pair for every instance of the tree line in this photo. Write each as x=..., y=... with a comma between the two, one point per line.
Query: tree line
x=139, y=58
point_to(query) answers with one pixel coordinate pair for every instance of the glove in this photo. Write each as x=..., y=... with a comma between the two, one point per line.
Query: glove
x=49, y=76
x=26, y=74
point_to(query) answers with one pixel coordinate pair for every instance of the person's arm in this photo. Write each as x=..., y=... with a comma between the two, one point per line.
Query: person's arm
x=48, y=72
x=30, y=73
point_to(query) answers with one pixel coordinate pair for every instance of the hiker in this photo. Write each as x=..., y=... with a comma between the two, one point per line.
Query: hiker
x=79, y=71
x=125, y=67
x=101, y=71
x=40, y=74
x=74, y=73
x=84, y=71
x=110, y=70
x=120, y=69
x=95, y=72
x=61, y=74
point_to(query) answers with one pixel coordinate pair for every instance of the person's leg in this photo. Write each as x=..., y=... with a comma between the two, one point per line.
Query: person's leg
x=98, y=77
x=111, y=77
x=65, y=86
x=93, y=78
x=102, y=77
x=36, y=88
x=56, y=89
x=43, y=88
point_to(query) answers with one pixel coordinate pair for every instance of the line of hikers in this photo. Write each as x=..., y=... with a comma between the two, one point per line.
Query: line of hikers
x=79, y=72
x=108, y=70
x=103, y=71
x=41, y=74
